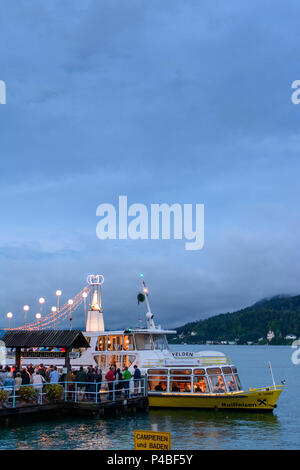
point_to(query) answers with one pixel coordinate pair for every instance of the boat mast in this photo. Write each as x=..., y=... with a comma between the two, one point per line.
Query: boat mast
x=145, y=292
x=149, y=314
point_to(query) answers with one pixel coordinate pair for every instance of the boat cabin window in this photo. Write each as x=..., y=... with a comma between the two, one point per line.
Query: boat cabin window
x=114, y=342
x=200, y=384
x=180, y=381
x=230, y=383
x=199, y=371
x=226, y=370
x=181, y=371
x=101, y=343
x=128, y=343
x=101, y=360
x=237, y=381
x=143, y=342
x=217, y=384
x=157, y=380
x=160, y=342
x=213, y=370
x=127, y=360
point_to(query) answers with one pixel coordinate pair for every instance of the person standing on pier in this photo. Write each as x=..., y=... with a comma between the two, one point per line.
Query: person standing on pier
x=110, y=377
x=126, y=381
x=137, y=378
x=54, y=376
x=81, y=377
x=98, y=379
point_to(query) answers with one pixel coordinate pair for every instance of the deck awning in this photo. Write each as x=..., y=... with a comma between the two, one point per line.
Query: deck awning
x=45, y=339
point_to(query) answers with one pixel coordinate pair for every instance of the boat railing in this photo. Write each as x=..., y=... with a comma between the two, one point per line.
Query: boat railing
x=192, y=361
x=87, y=392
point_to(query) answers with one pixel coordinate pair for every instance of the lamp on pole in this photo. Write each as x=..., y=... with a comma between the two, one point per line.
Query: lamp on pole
x=53, y=310
x=26, y=308
x=38, y=317
x=9, y=316
x=70, y=302
x=41, y=301
x=84, y=295
x=58, y=294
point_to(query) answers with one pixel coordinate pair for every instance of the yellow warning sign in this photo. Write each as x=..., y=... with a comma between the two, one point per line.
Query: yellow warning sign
x=152, y=440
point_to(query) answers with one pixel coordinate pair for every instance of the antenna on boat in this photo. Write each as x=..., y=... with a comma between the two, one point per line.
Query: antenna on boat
x=270, y=367
x=143, y=295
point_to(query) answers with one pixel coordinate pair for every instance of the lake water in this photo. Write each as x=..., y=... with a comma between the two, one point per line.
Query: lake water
x=190, y=429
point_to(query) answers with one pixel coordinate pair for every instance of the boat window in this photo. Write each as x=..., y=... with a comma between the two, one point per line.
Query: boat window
x=114, y=360
x=199, y=371
x=157, y=383
x=213, y=371
x=128, y=360
x=230, y=383
x=200, y=384
x=114, y=342
x=181, y=383
x=143, y=342
x=157, y=372
x=217, y=384
x=181, y=371
x=234, y=370
x=159, y=342
x=101, y=343
x=101, y=361
x=226, y=370
x=128, y=343
x=238, y=383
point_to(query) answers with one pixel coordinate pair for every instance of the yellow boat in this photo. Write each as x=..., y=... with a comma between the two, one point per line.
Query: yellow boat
x=213, y=387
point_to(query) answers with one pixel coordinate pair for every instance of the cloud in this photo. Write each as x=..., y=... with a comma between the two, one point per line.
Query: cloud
x=183, y=102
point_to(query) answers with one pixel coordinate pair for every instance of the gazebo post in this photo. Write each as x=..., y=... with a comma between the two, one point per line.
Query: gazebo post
x=18, y=358
x=67, y=361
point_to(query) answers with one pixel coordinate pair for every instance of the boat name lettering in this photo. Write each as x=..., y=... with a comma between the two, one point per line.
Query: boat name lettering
x=183, y=354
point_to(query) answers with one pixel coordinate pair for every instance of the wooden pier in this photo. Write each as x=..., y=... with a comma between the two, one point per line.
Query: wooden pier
x=79, y=408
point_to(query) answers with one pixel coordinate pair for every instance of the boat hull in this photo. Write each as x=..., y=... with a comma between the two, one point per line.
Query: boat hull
x=252, y=400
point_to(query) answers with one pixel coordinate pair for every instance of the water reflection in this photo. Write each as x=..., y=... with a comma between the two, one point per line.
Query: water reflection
x=198, y=429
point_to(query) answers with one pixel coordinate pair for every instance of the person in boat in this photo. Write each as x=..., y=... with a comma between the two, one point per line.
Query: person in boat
x=220, y=385
x=175, y=387
x=231, y=386
x=126, y=381
x=160, y=387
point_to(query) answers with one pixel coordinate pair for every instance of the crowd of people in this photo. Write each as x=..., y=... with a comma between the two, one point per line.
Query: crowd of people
x=89, y=380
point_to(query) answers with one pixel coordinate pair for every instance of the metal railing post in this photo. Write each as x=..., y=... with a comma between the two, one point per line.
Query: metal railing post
x=96, y=393
x=14, y=397
x=75, y=392
x=113, y=391
x=66, y=390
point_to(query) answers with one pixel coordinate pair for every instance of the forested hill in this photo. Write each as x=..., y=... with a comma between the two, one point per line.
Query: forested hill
x=251, y=324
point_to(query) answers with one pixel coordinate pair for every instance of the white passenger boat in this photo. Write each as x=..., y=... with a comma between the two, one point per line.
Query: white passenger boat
x=204, y=379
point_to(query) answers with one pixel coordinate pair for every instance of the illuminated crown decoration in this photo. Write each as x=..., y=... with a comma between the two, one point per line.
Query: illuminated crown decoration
x=95, y=279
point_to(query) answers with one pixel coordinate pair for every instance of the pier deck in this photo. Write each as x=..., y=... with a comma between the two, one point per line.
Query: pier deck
x=73, y=401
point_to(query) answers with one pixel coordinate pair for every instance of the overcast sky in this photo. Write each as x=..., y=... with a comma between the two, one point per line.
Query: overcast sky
x=163, y=101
